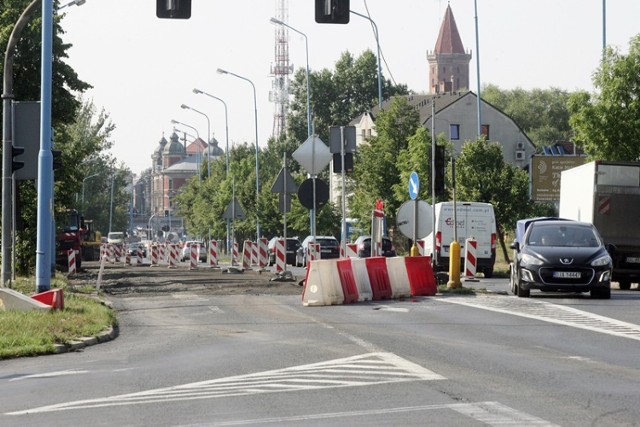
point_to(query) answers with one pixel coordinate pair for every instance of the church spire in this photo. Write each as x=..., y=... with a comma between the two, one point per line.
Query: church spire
x=448, y=62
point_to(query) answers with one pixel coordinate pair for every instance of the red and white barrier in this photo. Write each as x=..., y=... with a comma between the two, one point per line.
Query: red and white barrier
x=351, y=250
x=172, y=255
x=194, y=252
x=254, y=253
x=154, y=255
x=213, y=253
x=280, y=255
x=348, y=280
x=246, y=254
x=263, y=255
x=314, y=253
x=322, y=284
x=234, y=254
x=71, y=261
x=471, y=257
x=138, y=256
x=421, y=247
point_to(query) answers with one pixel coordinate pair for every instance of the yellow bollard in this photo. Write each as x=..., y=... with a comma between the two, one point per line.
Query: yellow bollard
x=415, y=251
x=454, y=266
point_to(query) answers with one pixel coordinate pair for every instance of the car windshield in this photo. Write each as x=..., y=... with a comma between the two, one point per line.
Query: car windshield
x=563, y=235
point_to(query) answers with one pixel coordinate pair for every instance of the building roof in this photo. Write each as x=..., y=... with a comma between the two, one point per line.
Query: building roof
x=449, y=41
x=174, y=147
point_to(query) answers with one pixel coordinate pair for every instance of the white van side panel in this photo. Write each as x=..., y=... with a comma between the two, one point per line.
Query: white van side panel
x=474, y=220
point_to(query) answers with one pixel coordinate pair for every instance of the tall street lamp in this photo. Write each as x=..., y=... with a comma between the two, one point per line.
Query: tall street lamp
x=255, y=108
x=72, y=3
x=306, y=47
x=175, y=122
x=375, y=31
x=226, y=122
x=186, y=107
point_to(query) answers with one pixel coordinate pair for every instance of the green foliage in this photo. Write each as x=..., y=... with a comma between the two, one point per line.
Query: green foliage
x=542, y=113
x=607, y=123
x=32, y=333
x=386, y=160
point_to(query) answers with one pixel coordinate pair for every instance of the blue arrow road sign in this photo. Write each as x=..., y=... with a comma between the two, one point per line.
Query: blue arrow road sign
x=414, y=185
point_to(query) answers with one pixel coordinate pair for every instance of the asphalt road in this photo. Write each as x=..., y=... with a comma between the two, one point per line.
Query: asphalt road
x=212, y=349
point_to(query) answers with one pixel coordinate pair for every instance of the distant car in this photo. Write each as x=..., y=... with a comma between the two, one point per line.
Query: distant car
x=329, y=249
x=133, y=248
x=293, y=244
x=560, y=255
x=115, y=237
x=186, y=251
x=363, y=247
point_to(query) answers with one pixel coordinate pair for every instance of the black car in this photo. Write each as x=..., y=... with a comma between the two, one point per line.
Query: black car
x=363, y=247
x=329, y=249
x=133, y=248
x=560, y=255
x=293, y=243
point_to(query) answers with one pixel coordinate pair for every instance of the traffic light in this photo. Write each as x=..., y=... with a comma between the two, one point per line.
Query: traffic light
x=332, y=11
x=440, y=170
x=57, y=159
x=337, y=162
x=173, y=9
x=15, y=152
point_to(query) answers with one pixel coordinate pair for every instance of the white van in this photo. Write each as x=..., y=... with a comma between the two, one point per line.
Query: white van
x=475, y=220
x=115, y=237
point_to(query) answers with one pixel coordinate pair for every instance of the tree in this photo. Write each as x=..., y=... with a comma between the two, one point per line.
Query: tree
x=607, y=123
x=379, y=170
x=503, y=185
x=541, y=113
x=339, y=96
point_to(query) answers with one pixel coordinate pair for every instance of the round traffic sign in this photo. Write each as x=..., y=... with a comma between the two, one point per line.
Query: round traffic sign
x=405, y=218
x=305, y=193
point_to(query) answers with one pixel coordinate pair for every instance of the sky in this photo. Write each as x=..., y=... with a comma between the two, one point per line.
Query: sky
x=143, y=68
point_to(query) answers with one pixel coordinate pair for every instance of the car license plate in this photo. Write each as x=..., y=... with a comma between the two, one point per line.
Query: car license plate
x=633, y=260
x=566, y=274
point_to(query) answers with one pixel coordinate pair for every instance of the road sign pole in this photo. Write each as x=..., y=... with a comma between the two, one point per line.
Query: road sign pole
x=414, y=248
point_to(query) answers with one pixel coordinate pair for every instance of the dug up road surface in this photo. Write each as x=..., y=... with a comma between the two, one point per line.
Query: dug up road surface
x=119, y=280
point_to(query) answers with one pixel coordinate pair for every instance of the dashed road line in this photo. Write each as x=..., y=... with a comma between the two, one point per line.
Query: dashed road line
x=552, y=313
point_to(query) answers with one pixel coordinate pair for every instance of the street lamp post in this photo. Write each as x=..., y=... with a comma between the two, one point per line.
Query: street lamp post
x=226, y=123
x=306, y=47
x=255, y=107
x=175, y=122
x=186, y=107
x=375, y=31
x=226, y=132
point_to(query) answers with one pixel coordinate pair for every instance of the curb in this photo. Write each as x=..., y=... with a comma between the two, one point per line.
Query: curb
x=77, y=345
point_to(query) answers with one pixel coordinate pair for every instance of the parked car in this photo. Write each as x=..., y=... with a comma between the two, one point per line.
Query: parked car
x=329, y=248
x=553, y=254
x=186, y=251
x=293, y=244
x=363, y=247
x=132, y=249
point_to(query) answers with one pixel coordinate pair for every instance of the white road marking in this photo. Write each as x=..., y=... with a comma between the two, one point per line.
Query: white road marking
x=552, y=313
x=364, y=370
x=50, y=374
x=490, y=413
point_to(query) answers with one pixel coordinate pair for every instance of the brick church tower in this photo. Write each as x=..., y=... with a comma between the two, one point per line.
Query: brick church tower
x=448, y=63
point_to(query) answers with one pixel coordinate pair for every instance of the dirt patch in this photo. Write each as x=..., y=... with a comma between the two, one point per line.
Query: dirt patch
x=117, y=280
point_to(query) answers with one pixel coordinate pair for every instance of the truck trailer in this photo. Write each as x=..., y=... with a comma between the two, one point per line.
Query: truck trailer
x=607, y=195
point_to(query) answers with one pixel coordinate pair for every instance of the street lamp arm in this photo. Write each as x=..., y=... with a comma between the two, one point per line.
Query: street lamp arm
x=375, y=33
x=226, y=122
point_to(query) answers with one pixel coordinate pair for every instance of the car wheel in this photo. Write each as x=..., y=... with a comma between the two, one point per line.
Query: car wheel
x=522, y=293
x=625, y=285
x=601, y=293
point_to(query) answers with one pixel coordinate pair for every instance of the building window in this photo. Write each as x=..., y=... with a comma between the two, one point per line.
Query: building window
x=484, y=131
x=454, y=132
x=170, y=184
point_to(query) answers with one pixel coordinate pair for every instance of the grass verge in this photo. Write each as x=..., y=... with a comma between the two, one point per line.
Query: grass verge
x=33, y=333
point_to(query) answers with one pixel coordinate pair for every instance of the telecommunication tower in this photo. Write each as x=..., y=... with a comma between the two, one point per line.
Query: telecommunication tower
x=280, y=70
